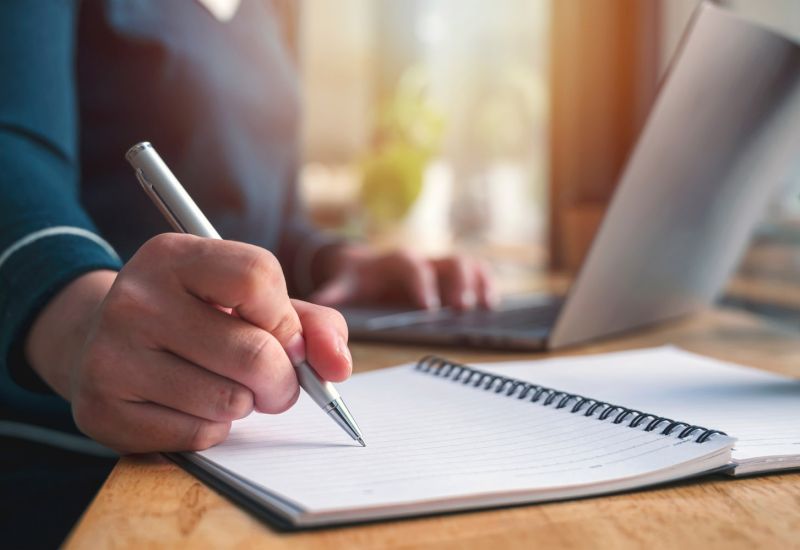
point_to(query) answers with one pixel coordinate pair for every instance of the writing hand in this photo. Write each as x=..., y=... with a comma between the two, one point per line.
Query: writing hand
x=150, y=361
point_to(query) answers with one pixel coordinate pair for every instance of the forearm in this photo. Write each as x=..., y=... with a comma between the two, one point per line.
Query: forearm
x=46, y=242
x=46, y=238
x=59, y=331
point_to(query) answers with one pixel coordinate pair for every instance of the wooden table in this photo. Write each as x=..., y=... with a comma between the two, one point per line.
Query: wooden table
x=148, y=503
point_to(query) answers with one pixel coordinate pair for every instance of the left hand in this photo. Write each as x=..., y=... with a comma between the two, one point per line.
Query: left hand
x=361, y=276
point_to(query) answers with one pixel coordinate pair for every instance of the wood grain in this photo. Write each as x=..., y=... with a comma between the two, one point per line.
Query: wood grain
x=149, y=503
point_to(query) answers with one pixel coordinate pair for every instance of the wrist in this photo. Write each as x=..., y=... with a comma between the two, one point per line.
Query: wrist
x=57, y=335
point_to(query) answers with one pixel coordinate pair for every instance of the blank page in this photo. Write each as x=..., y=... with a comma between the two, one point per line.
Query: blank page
x=432, y=439
x=760, y=409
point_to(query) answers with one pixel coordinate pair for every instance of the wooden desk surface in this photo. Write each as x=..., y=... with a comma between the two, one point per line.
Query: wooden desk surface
x=147, y=502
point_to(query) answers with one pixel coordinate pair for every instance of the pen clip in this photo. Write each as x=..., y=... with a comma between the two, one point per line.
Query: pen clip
x=152, y=192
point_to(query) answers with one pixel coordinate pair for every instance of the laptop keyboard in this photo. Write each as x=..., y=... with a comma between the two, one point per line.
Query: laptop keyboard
x=530, y=317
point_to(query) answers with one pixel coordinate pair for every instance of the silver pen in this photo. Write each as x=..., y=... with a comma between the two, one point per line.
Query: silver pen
x=164, y=189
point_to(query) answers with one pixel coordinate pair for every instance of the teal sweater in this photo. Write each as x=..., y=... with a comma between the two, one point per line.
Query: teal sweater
x=82, y=81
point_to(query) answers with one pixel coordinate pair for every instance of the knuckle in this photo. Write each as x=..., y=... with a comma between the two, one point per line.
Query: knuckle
x=235, y=402
x=162, y=245
x=286, y=326
x=454, y=268
x=255, y=352
x=262, y=269
x=408, y=256
x=205, y=434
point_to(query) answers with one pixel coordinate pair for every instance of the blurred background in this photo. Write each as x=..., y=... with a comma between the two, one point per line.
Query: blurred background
x=499, y=128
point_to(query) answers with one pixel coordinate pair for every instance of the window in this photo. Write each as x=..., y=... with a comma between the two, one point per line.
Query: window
x=426, y=123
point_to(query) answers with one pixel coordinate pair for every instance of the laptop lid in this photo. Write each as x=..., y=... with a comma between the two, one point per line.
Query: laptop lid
x=723, y=133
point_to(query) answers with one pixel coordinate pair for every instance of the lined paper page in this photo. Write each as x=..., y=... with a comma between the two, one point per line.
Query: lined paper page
x=760, y=409
x=429, y=438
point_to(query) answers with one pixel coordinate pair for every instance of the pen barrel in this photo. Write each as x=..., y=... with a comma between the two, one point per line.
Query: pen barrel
x=321, y=391
x=165, y=190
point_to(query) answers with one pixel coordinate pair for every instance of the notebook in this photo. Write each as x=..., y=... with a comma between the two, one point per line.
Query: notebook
x=443, y=437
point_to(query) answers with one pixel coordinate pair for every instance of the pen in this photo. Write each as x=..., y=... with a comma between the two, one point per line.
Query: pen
x=164, y=189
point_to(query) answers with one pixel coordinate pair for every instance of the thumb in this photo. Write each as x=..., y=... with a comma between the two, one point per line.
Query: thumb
x=338, y=290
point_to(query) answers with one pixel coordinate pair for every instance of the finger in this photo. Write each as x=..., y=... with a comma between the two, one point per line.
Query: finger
x=325, y=332
x=341, y=290
x=416, y=276
x=457, y=282
x=230, y=274
x=173, y=382
x=131, y=427
x=230, y=347
x=487, y=290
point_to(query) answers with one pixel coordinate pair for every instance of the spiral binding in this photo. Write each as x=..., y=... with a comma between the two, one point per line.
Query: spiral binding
x=586, y=405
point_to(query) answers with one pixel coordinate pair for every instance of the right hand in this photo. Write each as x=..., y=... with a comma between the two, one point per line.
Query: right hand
x=160, y=366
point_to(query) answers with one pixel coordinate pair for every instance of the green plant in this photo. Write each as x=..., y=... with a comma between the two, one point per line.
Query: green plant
x=408, y=134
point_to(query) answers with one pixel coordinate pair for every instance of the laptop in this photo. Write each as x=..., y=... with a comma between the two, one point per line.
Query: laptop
x=722, y=135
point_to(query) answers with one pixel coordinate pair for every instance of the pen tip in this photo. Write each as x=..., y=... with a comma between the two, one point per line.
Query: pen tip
x=362, y=442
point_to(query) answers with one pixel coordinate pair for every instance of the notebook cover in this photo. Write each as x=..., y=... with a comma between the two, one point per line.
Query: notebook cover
x=280, y=523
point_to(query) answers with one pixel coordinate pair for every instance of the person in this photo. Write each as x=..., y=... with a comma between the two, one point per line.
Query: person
x=111, y=326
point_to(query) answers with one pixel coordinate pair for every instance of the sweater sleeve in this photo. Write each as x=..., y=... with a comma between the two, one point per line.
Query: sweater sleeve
x=46, y=238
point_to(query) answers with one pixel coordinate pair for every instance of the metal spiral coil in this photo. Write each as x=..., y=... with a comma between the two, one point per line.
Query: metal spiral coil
x=535, y=393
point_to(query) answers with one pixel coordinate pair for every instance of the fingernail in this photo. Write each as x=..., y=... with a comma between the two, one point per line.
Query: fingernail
x=432, y=301
x=296, y=348
x=344, y=351
x=468, y=299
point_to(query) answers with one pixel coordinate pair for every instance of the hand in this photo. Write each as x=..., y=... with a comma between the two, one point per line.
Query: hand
x=153, y=363
x=360, y=276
